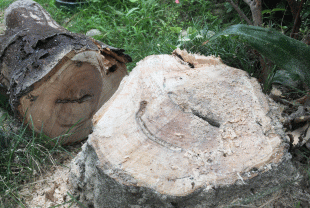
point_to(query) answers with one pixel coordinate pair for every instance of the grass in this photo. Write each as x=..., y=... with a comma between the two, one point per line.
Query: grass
x=138, y=27
x=142, y=28
x=145, y=28
x=24, y=156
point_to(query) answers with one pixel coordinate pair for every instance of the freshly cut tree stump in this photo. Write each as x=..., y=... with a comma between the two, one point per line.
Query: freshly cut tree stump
x=56, y=79
x=182, y=131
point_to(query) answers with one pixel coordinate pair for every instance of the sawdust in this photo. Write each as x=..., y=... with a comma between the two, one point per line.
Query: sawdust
x=52, y=187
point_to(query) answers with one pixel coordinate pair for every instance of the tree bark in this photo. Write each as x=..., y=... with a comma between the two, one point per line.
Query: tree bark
x=296, y=9
x=56, y=79
x=256, y=9
x=182, y=131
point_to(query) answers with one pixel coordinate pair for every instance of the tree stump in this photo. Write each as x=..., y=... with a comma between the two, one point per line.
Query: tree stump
x=182, y=131
x=56, y=79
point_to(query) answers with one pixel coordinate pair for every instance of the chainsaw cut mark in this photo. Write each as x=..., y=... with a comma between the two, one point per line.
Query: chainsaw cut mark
x=149, y=134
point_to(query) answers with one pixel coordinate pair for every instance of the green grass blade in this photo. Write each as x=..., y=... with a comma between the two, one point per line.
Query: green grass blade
x=287, y=53
x=131, y=11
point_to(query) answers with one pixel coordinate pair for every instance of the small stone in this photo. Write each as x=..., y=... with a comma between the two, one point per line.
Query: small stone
x=93, y=32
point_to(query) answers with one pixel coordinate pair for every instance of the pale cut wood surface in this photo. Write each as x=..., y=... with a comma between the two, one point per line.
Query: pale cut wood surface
x=180, y=129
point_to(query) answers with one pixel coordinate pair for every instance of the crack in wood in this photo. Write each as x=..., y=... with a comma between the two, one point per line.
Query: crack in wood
x=32, y=98
x=189, y=64
x=112, y=69
x=174, y=179
x=149, y=134
x=211, y=121
x=80, y=100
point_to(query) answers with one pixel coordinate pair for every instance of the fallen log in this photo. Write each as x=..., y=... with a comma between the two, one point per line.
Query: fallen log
x=183, y=131
x=56, y=79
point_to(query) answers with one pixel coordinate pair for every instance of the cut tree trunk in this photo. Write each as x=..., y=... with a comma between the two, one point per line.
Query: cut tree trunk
x=183, y=131
x=56, y=79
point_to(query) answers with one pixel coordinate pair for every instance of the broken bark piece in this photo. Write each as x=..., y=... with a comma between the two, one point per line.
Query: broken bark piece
x=56, y=79
x=300, y=136
x=177, y=136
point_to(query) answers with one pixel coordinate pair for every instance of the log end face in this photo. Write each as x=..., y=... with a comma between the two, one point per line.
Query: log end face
x=64, y=102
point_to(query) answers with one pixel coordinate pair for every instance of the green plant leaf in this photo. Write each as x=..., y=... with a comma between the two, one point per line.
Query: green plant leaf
x=131, y=11
x=277, y=9
x=307, y=13
x=266, y=11
x=228, y=7
x=287, y=53
x=176, y=29
x=171, y=46
x=287, y=79
x=191, y=30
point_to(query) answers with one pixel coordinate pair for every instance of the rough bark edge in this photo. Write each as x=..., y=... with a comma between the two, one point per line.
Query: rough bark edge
x=94, y=188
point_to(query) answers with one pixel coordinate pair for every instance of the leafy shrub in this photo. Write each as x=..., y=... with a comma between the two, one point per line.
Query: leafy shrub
x=287, y=53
